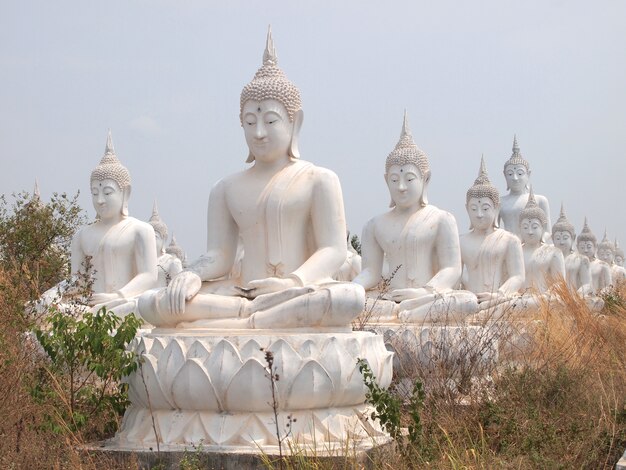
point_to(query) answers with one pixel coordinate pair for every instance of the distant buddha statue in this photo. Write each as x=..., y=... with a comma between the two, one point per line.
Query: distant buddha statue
x=175, y=249
x=120, y=249
x=600, y=271
x=619, y=255
x=352, y=266
x=420, y=243
x=290, y=216
x=606, y=253
x=517, y=174
x=168, y=264
x=577, y=267
x=492, y=257
x=544, y=263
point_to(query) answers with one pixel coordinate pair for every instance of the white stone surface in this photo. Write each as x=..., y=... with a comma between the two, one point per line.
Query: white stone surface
x=420, y=243
x=214, y=389
x=600, y=271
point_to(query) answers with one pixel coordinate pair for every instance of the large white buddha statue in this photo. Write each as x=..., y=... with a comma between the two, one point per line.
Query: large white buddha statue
x=120, y=249
x=600, y=271
x=493, y=264
x=606, y=253
x=420, y=243
x=289, y=214
x=517, y=174
x=577, y=267
x=168, y=264
x=544, y=263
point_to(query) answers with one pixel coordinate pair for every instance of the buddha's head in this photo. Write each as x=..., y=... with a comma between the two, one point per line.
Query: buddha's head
x=619, y=255
x=175, y=250
x=606, y=250
x=482, y=201
x=407, y=172
x=271, y=111
x=563, y=233
x=586, y=243
x=516, y=171
x=110, y=185
x=531, y=222
x=160, y=229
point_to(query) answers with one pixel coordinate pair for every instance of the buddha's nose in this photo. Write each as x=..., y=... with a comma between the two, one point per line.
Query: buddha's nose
x=260, y=131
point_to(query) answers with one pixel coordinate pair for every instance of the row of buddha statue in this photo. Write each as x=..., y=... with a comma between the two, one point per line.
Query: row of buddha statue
x=277, y=253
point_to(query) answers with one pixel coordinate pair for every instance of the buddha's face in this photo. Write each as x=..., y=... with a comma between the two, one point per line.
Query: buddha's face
x=563, y=241
x=107, y=198
x=482, y=213
x=531, y=230
x=267, y=129
x=516, y=178
x=159, y=243
x=606, y=255
x=406, y=185
x=619, y=260
x=587, y=248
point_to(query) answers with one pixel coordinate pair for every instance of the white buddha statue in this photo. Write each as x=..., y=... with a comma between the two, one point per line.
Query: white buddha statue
x=600, y=271
x=619, y=255
x=120, y=249
x=493, y=264
x=577, y=267
x=290, y=217
x=420, y=242
x=606, y=253
x=175, y=249
x=517, y=174
x=168, y=265
x=544, y=263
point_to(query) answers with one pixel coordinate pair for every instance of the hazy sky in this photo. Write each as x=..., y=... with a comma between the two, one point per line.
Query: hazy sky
x=166, y=76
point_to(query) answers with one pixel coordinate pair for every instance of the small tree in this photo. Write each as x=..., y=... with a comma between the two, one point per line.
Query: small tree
x=356, y=243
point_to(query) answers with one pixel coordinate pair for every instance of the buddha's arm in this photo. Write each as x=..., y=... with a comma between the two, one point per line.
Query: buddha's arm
x=329, y=229
x=372, y=258
x=514, y=266
x=145, y=262
x=584, y=272
x=542, y=202
x=448, y=253
x=557, y=266
x=222, y=237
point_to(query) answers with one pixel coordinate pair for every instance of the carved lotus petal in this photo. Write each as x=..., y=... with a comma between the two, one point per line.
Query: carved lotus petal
x=287, y=362
x=336, y=360
x=250, y=389
x=158, y=398
x=226, y=428
x=256, y=433
x=197, y=350
x=353, y=390
x=309, y=349
x=157, y=346
x=312, y=388
x=186, y=428
x=252, y=349
x=222, y=365
x=170, y=362
x=192, y=388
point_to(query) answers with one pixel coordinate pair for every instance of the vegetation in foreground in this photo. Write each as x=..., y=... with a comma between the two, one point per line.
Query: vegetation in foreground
x=556, y=398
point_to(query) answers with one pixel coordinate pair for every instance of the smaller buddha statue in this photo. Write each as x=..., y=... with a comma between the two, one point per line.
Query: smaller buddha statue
x=175, y=249
x=120, y=249
x=577, y=268
x=606, y=253
x=619, y=255
x=492, y=257
x=544, y=263
x=517, y=174
x=168, y=264
x=421, y=244
x=351, y=267
x=600, y=271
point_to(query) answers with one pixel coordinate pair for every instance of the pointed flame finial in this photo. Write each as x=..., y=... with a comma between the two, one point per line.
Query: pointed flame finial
x=109, y=147
x=515, y=145
x=269, y=55
x=36, y=193
x=562, y=214
x=531, y=197
x=155, y=210
x=483, y=168
x=406, y=131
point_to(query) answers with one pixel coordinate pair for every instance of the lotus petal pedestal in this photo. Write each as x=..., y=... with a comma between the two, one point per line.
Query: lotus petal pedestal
x=212, y=388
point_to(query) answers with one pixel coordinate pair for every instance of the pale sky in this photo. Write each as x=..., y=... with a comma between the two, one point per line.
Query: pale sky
x=166, y=76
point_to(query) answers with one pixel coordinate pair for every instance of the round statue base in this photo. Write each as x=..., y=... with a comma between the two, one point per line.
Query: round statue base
x=246, y=391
